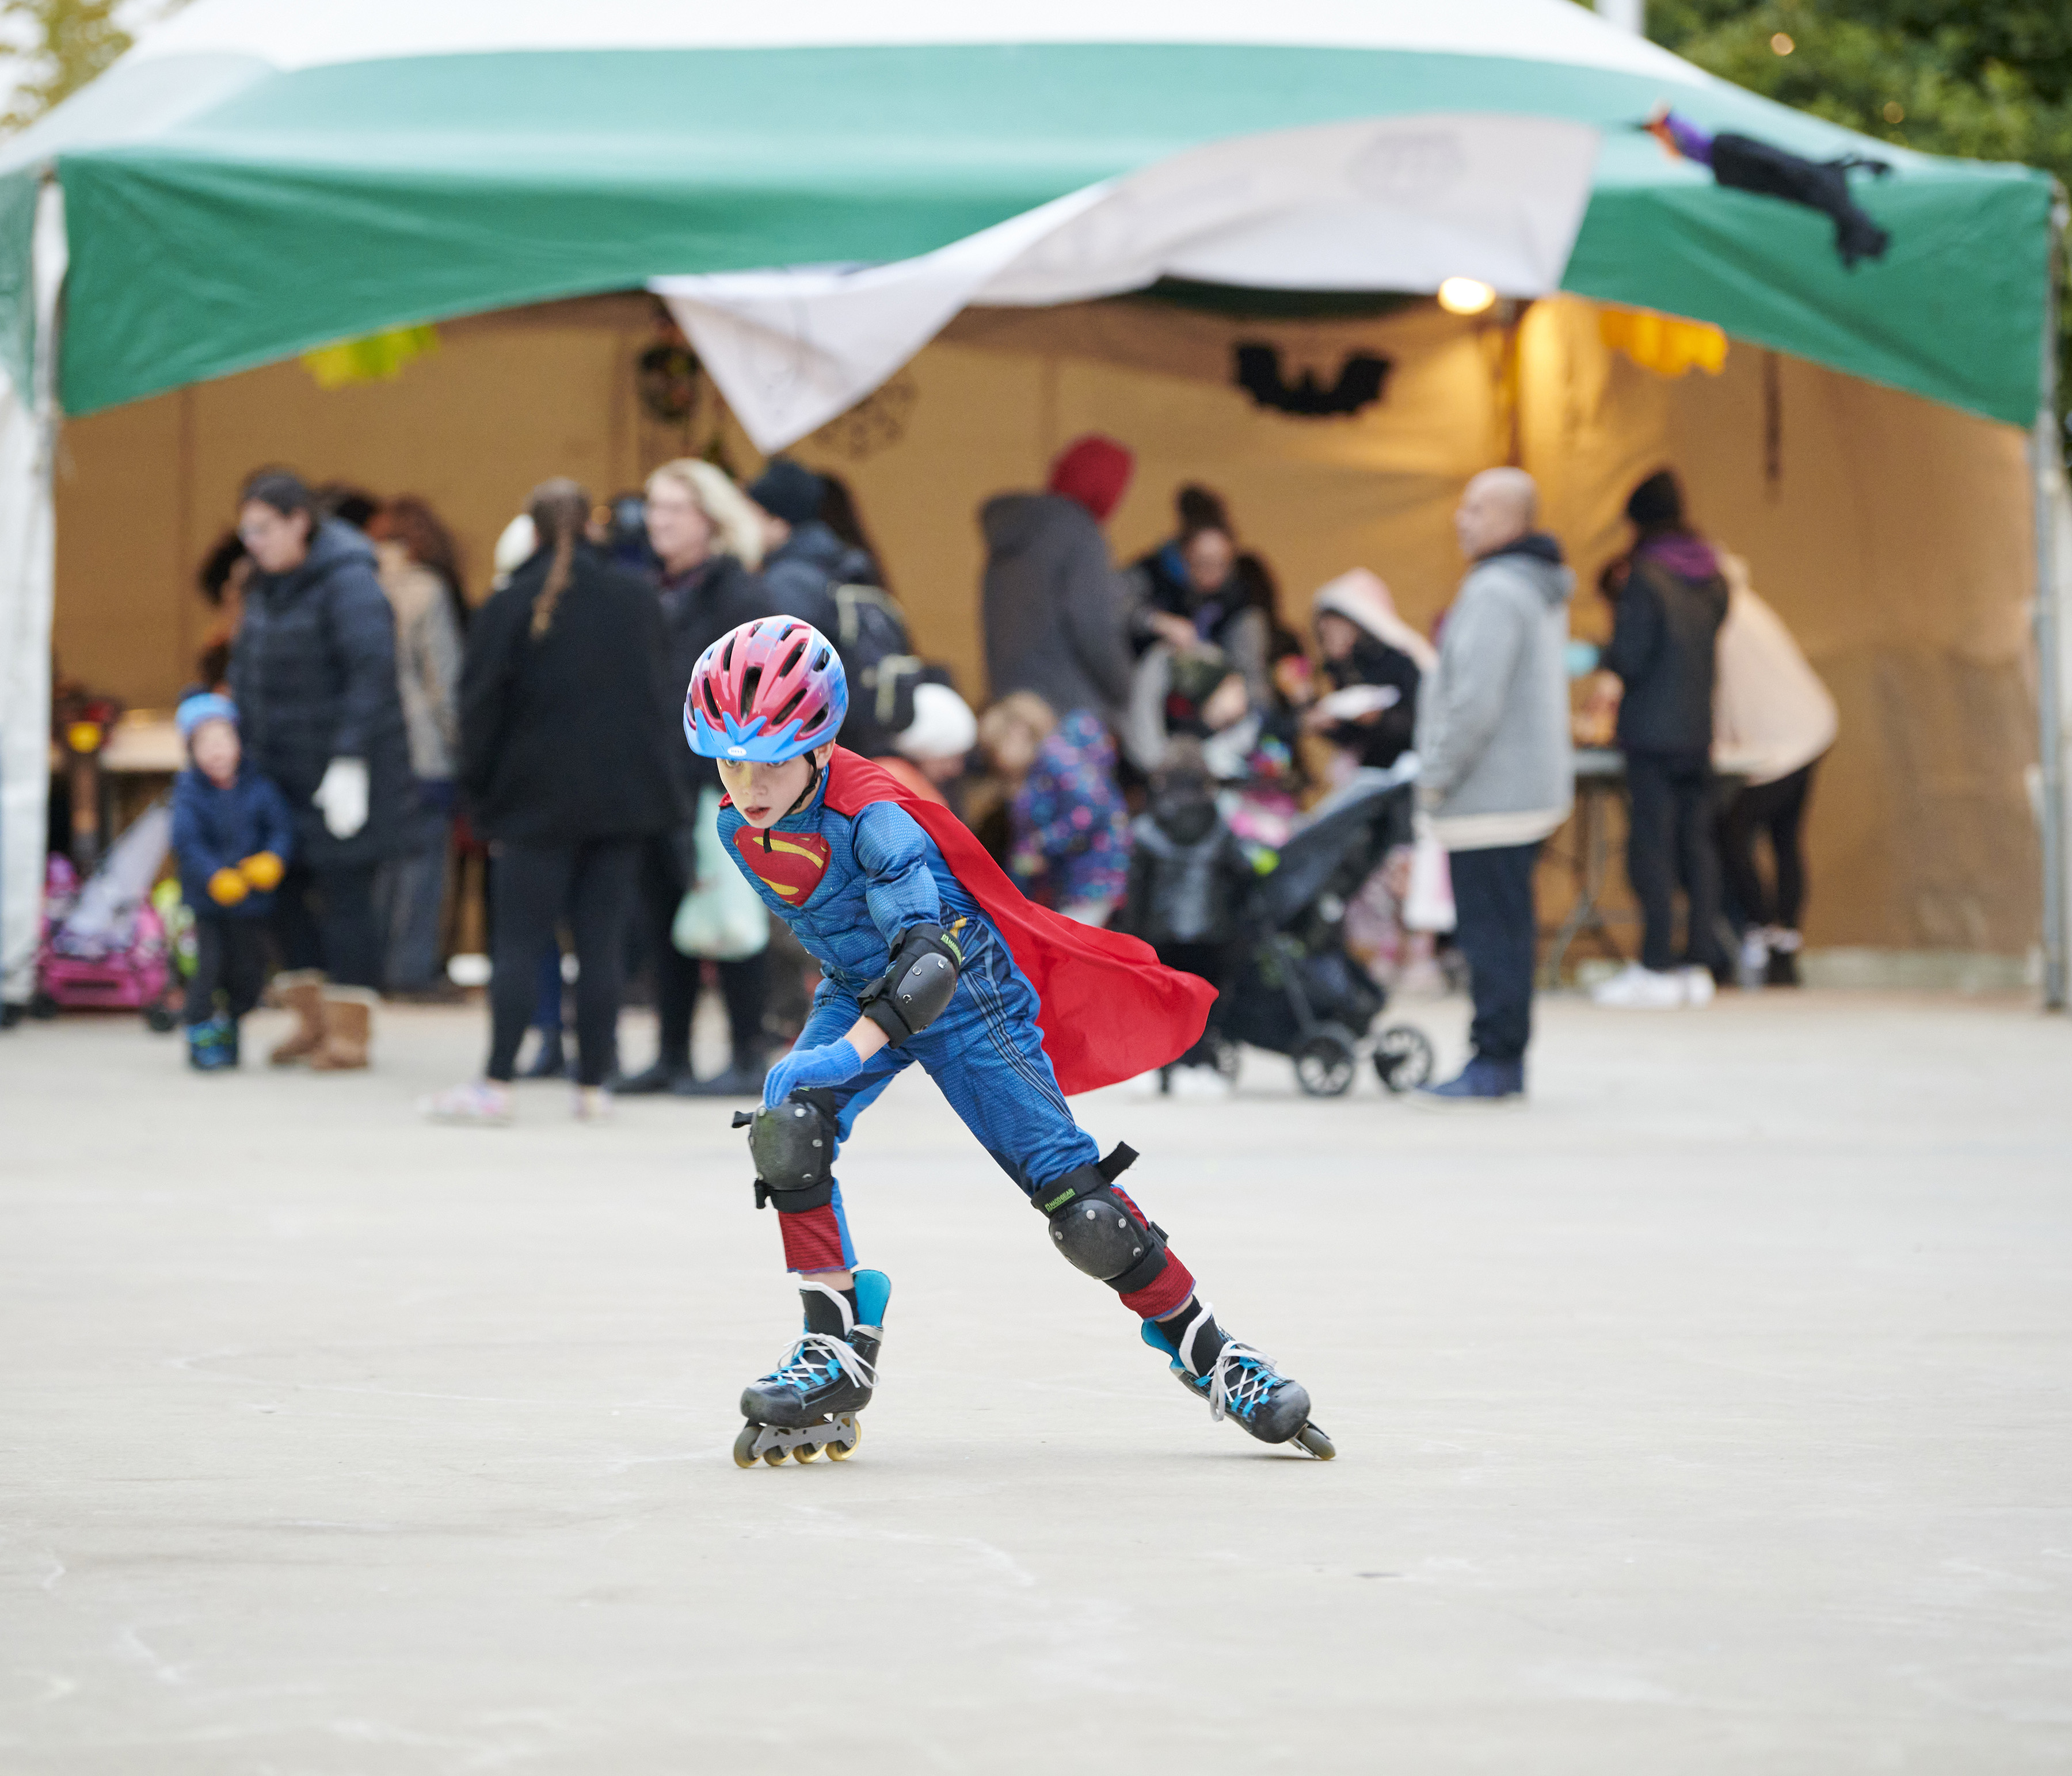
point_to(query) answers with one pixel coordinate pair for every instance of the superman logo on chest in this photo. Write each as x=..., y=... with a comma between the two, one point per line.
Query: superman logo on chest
x=790, y=865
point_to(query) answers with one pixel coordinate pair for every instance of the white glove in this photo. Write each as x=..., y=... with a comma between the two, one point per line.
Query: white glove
x=342, y=797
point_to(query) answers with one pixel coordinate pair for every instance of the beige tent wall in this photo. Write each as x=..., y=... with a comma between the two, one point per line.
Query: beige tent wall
x=1892, y=534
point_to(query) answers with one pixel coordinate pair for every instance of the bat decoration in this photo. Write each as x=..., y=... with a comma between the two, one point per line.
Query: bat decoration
x=1361, y=378
x=1743, y=163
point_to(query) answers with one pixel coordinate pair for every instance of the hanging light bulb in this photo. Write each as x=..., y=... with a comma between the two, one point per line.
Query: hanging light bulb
x=1465, y=295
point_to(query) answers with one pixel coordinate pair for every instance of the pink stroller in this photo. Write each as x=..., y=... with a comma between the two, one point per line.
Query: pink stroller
x=105, y=947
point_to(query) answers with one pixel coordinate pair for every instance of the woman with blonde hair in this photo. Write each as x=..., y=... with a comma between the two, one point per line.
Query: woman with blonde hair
x=708, y=538
x=565, y=768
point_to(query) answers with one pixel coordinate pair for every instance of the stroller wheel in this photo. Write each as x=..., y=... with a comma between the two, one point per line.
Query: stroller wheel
x=1403, y=1057
x=1324, y=1064
x=43, y=1006
x=160, y=1019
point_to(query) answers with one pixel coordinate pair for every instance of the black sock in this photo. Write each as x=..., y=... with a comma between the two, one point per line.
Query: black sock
x=1210, y=1339
x=820, y=1314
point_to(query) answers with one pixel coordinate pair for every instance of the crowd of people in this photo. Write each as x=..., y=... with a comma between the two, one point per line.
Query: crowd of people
x=1156, y=730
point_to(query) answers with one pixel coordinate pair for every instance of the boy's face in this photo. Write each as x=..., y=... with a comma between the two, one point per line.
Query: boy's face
x=1336, y=634
x=216, y=751
x=763, y=794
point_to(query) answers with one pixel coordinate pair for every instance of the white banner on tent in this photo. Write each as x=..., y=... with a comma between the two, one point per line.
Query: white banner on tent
x=1399, y=204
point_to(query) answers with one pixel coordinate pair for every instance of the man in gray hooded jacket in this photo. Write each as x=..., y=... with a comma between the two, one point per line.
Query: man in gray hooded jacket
x=1496, y=774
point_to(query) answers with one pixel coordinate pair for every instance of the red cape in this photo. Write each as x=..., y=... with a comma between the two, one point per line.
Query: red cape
x=1110, y=1010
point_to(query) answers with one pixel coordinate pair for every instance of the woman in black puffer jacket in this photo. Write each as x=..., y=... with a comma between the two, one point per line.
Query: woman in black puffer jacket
x=313, y=672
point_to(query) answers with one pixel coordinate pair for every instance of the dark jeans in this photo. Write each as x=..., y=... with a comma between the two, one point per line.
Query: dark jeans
x=547, y=1006
x=230, y=955
x=1497, y=930
x=412, y=892
x=1778, y=810
x=1669, y=844
x=678, y=978
x=324, y=919
x=1209, y=962
x=591, y=885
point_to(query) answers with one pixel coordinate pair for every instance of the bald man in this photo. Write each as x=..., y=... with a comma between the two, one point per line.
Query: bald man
x=1496, y=775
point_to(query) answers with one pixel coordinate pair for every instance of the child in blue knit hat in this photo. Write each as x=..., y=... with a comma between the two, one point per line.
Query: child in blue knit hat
x=232, y=833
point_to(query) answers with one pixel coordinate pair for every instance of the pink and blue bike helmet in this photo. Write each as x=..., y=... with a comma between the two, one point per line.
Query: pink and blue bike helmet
x=766, y=692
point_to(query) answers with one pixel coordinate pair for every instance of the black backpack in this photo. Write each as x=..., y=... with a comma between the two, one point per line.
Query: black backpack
x=870, y=635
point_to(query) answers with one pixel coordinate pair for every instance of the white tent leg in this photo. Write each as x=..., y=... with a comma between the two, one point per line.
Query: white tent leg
x=28, y=433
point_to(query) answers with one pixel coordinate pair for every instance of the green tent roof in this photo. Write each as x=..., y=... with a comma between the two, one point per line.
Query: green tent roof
x=257, y=179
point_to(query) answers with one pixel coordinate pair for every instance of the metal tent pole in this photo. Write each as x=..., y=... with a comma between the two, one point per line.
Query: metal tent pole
x=2046, y=467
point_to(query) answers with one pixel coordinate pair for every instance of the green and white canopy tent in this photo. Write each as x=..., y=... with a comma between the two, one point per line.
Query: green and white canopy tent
x=817, y=191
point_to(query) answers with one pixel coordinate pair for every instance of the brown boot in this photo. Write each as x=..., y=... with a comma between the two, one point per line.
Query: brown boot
x=300, y=991
x=348, y=1030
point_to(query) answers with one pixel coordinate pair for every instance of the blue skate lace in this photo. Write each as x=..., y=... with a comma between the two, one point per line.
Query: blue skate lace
x=816, y=1358
x=1242, y=1381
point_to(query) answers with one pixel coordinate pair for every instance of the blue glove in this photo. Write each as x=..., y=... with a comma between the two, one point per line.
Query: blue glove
x=811, y=1069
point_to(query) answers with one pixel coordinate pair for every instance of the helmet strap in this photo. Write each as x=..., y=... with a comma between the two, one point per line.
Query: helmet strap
x=813, y=783
x=805, y=796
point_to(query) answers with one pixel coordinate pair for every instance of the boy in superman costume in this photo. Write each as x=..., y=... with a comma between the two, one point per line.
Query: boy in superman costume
x=928, y=953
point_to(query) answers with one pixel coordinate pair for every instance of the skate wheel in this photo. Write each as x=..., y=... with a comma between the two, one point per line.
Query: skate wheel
x=804, y=1453
x=842, y=1451
x=774, y=1457
x=1315, y=1441
x=744, y=1446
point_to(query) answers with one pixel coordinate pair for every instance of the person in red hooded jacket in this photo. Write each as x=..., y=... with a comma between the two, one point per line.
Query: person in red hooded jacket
x=1056, y=611
x=928, y=953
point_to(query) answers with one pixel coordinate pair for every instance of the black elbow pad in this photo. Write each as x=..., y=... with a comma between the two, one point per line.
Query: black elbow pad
x=917, y=988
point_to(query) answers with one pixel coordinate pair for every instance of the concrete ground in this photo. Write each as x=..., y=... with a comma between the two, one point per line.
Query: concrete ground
x=1711, y=1414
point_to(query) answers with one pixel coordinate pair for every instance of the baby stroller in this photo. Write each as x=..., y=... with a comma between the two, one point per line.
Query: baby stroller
x=105, y=947
x=1295, y=988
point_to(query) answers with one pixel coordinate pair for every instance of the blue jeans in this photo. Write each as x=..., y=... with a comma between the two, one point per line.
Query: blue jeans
x=1498, y=932
x=986, y=1054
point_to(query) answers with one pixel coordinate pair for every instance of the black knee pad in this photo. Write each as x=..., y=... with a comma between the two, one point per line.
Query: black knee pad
x=793, y=1146
x=917, y=988
x=1098, y=1230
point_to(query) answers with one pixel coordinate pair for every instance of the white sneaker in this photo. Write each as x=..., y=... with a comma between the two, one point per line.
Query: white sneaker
x=1755, y=958
x=1198, y=1082
x=1636, y=989
x=479, y=1103
x=1699, y=987
x=593, y=1104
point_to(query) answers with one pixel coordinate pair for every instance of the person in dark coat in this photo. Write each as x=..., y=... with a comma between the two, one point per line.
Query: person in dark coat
x=1670, y=599
x=566, y=769
x=803, y=560
x=706, y=533
x=313, y=673
x=233, y=835
x=1188, y=874
x=1161, y=581
x=1056, y=611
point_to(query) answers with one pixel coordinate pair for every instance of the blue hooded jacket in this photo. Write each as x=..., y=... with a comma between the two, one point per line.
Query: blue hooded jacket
x=215, y=828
